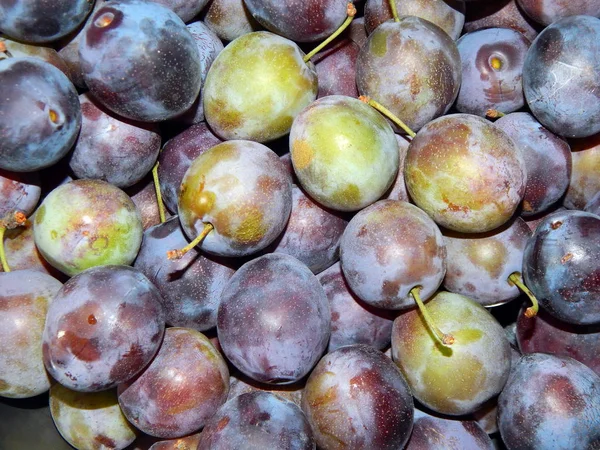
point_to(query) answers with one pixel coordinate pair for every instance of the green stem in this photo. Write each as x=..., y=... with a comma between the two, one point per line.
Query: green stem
x=394, y=10
x=159, y=200
x=2, y=254
x=178, y=254
x=351, y=14
x=516, y=279
x=445, y=339
x=386, y=112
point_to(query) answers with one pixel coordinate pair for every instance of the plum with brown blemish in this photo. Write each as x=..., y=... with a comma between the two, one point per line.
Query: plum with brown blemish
x=181, y=389
x=113, y=149
x=561, y=77
x=243, y=190
x=312, y=233
x=93, y=339
x=411, y=67
x=336, y=69
x=87, y=223
x=19, y=191
x=500, y=14
x=454, y=380
x=480, y=265
x=190, y=287
x=584, y=182
x=357, y=398
x=547, y=159
x=352, y=320
x=449, y=15
x=90, y=420
x=561, y=266
x=466, y=173
x=230, y=19
x=492, y=71
x=274, y=319
x=550, y=402
x=255, y=421
x=546, y=12
x=24, y=299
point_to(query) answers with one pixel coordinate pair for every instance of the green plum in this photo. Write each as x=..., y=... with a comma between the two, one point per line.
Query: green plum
x=256, y=86
x=345, y=153
x=87, y=223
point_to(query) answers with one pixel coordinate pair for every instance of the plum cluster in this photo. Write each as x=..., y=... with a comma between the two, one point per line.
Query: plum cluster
x=301, y=224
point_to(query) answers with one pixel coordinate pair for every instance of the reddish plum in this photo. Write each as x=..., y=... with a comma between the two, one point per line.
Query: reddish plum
x=336, y=69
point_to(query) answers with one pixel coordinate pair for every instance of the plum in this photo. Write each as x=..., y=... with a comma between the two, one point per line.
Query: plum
x=230, y=19
x=19, y=191
x=584, y=182
x=546, y=12
x=336, y=69
x=240, y=384
x=500, y=14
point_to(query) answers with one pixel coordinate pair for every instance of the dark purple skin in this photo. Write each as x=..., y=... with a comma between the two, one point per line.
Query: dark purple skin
x=191, y=287
x=357, y=398
x=547, y=160
x=352, y=320
x=143, y=195
x=550, y=402
x=478, y=265
x=561, y=77
x=492, y=71
x=357, y=31
x=41, y=116
x=274, y=319
x=230, y=19
x=140, y=60
x=19, y=192
x=546, y=334
x=94, y=339
x=180, y=390
x=240, y=384
x=299, y=20
x=546, y=12
x=257, y=421
x=312, y=233
x=185, y=9
x=500, y=14
x=336, y=69
x=584, y=184
x=111, y=148
x=177, y=156
x=434, y=433
x=42, y=21
x=562, y=269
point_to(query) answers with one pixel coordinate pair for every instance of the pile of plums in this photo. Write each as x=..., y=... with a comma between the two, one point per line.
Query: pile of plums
x=280, y=224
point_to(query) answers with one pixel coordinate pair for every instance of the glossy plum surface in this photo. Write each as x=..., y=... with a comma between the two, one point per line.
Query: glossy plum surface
x=93, y=339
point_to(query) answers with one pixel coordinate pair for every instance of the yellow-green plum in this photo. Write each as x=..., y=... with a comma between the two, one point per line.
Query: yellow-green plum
x=466, y=173
x=453, y=380
x=257, y=86
x=87, y=223
x=344, y=153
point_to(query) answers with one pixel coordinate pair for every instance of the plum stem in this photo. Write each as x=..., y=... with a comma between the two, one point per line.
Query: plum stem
x=387, y=113
x=159, y=199
x=12, y=220
x=516, y=279
x=394, y=10
x=351, y=11
x=494, y=114
x=445, y=339
x=178, y=254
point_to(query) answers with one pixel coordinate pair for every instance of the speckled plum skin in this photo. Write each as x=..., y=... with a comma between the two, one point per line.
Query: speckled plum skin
x=87, y=223
x=467, y=174
x=547, y=159
x=93, y=339
x=42, y=21
x=344, y=153
x=258, y=421
x=45, y=96
x=356, y=398
x=500, y=14
x=550, y=403
x=353, y=321
x=453, y=380
x=492, y=71
x=256, y=87
x=112, y=149
x=19, y=192
x=584, y=183
x=435, y=433
x=561, y=266
x=448, y=15
x=274, y=319
x=244, y=190
x=336, y=69
x=478, y=266
x=411, y=67
x=191, y=286
x=546, y=12
x=561, y=77
x=180, y=390
x=299, y=20
x=90, y=420
x=24, y=299
x=546, y=334
x=390, y=248
x=230, y=19
x=140, y=61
